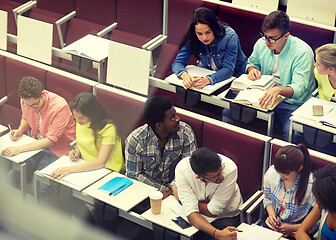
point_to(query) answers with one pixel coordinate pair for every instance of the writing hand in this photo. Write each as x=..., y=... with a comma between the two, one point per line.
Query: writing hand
x=15, y=134
x=254, y=74
x=74, y=154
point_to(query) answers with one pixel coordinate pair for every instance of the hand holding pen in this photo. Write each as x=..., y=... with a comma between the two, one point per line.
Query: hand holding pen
x=74, y=154
x=14, y=134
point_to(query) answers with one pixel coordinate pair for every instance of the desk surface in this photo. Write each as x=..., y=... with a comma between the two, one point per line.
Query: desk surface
x=3, y=129
x=90, y=46
x=164, y=219
x=78, y=180
x=312, y=123
x=126, y=199
x=5, y=141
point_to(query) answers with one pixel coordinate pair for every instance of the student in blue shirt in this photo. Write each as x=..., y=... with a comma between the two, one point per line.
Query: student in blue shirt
x=215, y=45
x=289, y=59
x=324, y=189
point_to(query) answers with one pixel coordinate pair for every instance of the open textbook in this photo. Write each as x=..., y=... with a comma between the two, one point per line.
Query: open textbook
x=201, y=72
x=328, y=117
x=264, y=83
x=252, y=96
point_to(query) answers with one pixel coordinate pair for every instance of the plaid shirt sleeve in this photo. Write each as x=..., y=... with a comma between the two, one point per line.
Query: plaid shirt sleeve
x=190, y=144
x=134, y=163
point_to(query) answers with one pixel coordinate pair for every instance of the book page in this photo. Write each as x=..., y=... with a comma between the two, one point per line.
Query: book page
x=251, y=96
x=264, y=83
x=81, y=179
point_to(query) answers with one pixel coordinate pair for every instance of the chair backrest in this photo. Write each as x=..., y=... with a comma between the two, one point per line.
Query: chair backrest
x=65, y=87
x=2, y=77
x=195, y=124
x=249, y=154
x=102, y=12
x=49, y=17
x=125, y=110
x=15, y=71
x=8, y=6
x=59, y=6
x=140, y=17
x=246, y=24
x=10, y=115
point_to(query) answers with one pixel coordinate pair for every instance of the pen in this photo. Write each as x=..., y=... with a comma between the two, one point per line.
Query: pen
x=116, y=190
x=10, y=128
x=73, y=148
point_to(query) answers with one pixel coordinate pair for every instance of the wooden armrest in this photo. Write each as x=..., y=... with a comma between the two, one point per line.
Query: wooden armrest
x=154, y=43
x=247, y=203
x=61, y=21
x=23, y=8
x=253, y=207
x=107, y=29
x=3, y=100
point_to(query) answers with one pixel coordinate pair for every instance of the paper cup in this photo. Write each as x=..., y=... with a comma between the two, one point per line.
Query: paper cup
x=156, y=201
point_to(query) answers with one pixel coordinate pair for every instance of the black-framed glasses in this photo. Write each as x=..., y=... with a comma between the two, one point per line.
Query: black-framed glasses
x=214, y=179
x=270, y=39
x=34, y=105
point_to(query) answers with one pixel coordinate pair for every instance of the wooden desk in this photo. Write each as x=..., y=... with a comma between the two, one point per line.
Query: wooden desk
x=18, y=161
x=75, y=184
x=263, y=114
x=164, y=219
x=304, y=116
x=93, y=48
x=126, y=199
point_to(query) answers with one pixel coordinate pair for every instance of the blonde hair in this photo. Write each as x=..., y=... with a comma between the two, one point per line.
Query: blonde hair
x=327, y=54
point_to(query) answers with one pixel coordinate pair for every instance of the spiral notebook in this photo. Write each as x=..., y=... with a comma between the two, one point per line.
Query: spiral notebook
x=116, y=185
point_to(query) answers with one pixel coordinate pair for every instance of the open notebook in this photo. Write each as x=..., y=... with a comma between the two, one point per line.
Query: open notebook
x=264, y=83
x=79, y=179
x=202, y=72
x=252, y=96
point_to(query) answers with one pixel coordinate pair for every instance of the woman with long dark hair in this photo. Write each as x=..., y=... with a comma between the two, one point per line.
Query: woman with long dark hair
x=215, y=45
x=288, y=189
x=97, y=138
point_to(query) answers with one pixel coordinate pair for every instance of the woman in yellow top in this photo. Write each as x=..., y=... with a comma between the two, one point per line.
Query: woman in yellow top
x=97, y=138
x=325, y=71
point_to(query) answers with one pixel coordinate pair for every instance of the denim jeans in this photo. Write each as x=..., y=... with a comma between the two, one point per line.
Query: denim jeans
x=36, y=162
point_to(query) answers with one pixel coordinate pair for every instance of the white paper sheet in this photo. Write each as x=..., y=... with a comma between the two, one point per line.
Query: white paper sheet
x=81, y=179
x=5, y=142
x=254, y=232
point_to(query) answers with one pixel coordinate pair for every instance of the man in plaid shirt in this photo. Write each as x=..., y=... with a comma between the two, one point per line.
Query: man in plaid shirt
x=153, y=150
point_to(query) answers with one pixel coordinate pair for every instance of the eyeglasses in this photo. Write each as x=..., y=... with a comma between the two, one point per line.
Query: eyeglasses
x=214, y=179
x=270, y=39
x=34, y=105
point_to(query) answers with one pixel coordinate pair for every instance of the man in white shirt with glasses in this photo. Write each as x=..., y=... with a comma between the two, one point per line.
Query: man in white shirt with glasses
x=207, y=186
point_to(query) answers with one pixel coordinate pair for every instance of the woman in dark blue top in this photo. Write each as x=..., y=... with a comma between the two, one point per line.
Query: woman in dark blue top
x=215, y=45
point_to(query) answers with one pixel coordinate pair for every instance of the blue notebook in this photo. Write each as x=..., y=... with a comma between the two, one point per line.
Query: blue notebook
x=116, y=185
